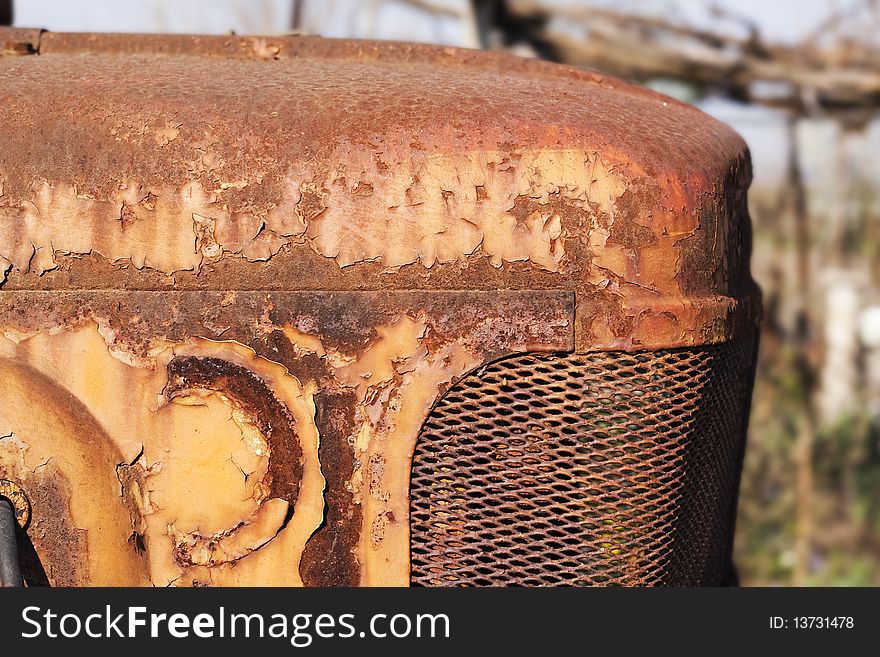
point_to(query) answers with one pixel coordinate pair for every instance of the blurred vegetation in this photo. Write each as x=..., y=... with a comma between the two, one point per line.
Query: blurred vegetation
x=844, y=543
x=846, y=496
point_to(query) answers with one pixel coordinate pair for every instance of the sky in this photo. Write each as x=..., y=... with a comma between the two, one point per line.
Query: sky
x=784, y=20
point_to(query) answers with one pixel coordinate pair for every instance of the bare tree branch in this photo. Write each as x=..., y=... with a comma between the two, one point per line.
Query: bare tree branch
x=842, y=79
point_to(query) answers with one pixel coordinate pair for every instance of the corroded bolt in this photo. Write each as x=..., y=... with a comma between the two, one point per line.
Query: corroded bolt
x=20, y=503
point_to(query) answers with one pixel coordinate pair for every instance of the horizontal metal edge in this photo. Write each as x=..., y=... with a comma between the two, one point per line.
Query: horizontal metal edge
x=517, y=320
x=647, y=322
x=650, y=322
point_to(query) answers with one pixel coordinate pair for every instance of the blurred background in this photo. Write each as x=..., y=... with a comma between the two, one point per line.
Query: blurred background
x=800, y=80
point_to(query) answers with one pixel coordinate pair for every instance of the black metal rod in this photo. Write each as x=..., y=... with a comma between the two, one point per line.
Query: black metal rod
x=10, y=569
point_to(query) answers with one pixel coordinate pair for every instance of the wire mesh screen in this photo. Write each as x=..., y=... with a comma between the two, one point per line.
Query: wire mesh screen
x=608, y=468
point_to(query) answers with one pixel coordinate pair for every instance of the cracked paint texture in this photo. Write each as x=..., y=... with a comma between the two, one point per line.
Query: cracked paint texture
x=370, y=166
x=186, y=460
x=232, y=302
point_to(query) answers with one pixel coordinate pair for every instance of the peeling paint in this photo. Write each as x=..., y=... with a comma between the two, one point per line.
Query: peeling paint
x=544, y=177
x=422, y=209
x=191, y=282
x=216, y=460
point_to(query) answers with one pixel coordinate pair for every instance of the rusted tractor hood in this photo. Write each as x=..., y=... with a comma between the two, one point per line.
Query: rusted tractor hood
x=178, y=162
x=237, y=273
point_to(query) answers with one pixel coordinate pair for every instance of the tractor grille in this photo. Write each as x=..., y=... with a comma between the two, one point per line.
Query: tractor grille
x=608, y=468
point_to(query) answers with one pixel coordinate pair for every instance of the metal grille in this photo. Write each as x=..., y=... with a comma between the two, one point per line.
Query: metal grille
x=609, y=468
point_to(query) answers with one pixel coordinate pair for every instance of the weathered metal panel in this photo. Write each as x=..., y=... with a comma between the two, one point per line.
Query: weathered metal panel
x=234, y=437
x=301, y=163
x=244, y=268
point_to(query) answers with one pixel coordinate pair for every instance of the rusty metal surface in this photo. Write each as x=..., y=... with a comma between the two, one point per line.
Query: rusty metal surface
x=19, y=41
x=311, y=241
x=12, y=492
x=103, y=356
x=136, y=321
x=609, y=469
x=299, y=163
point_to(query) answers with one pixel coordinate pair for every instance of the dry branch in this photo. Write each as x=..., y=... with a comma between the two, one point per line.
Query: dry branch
x=841, y=79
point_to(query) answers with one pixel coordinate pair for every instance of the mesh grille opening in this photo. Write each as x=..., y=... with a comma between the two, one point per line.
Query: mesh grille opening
x=609, y=468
